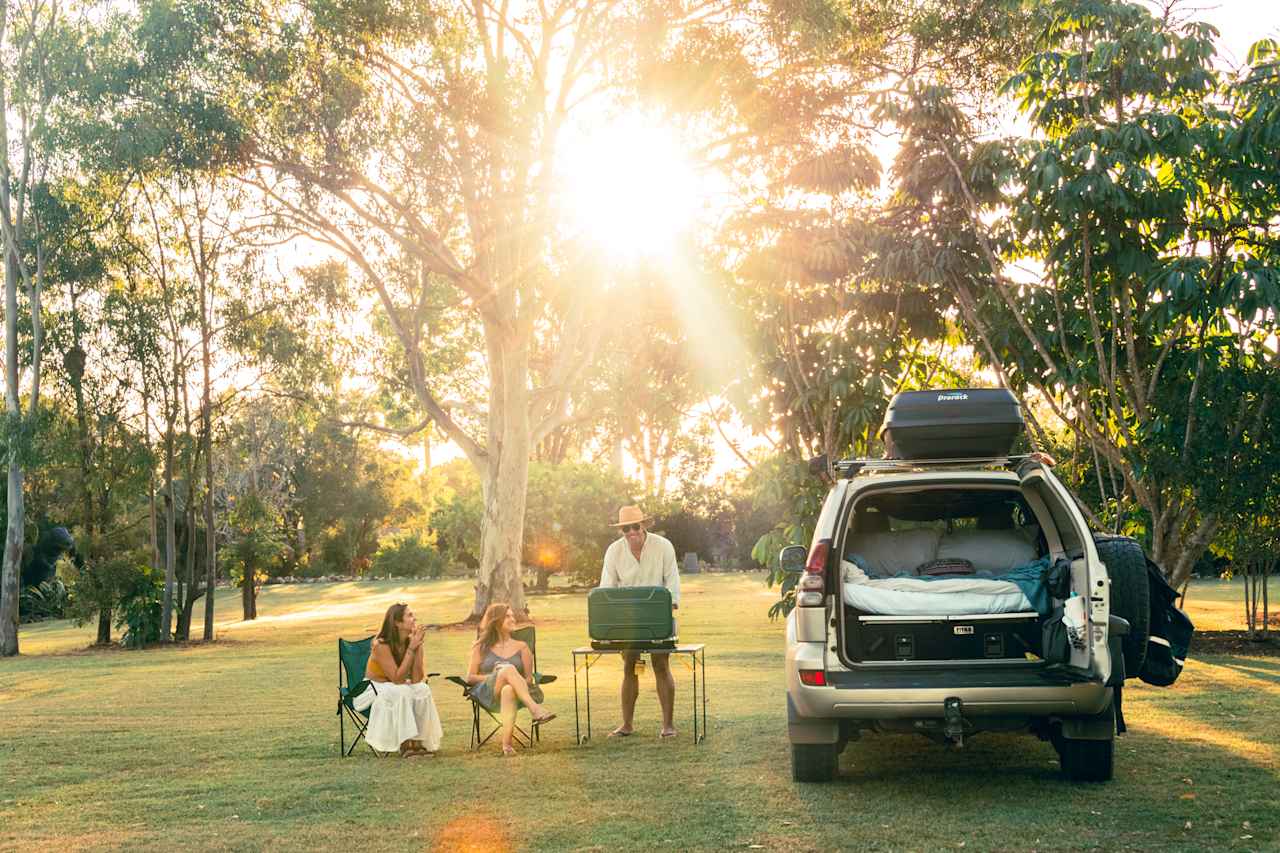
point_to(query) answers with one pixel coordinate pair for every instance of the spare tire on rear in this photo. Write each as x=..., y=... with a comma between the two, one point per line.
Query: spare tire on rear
x=1130, y=595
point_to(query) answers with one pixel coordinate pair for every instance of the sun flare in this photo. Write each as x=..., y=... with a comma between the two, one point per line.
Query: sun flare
x=631, y=189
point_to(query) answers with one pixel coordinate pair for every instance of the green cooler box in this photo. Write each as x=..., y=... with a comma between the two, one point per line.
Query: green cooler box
x=631, y=617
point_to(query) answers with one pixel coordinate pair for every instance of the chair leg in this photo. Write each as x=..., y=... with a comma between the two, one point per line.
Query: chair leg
x=342, y=735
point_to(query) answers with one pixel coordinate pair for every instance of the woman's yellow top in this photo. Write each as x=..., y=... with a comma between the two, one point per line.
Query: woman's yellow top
x=373, y=672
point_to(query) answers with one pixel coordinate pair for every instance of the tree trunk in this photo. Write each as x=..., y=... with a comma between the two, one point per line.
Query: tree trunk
x=15, y=528
x=505, y=485
x=1266, y=616
x=193, y=592
x=170, y=533
x=206, y=429
x=74, y=363
x=104, y=627
x=249, y=595
x=13, y=540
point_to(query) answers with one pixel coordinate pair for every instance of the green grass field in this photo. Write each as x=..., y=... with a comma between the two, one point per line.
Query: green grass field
x=234, y=746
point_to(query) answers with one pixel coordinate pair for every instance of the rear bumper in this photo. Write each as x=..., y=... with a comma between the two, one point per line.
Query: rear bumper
x=908, y=692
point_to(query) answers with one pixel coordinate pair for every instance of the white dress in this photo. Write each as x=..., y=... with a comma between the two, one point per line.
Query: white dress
x=400, y=712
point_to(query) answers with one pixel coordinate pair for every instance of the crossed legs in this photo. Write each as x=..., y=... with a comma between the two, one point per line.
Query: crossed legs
x=511, y=688
x=631, y=691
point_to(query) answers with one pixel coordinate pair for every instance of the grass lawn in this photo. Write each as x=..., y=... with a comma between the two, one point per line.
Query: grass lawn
x=235, y=746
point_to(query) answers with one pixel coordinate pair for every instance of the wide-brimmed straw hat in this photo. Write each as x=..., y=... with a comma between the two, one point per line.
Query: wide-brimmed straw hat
x=631, y=515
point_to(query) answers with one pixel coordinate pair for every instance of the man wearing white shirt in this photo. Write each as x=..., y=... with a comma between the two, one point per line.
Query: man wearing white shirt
x=641, y=558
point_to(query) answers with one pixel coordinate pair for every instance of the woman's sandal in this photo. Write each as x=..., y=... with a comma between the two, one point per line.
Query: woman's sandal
x=416, y=752
x=508, y=751
x=545, y=718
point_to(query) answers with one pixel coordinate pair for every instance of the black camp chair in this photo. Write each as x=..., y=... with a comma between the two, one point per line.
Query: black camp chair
x=353, y=658
x=529, y=636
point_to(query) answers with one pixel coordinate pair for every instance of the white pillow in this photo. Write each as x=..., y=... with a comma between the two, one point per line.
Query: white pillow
x=988, y=550
x=897, y=551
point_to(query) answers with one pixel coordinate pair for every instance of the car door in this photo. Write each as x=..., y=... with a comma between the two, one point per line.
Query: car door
x=1067, y=535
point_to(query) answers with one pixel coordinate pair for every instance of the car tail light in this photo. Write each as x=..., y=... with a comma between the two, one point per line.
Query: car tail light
x=817, y=564
x=813, y=582
x=813, y=677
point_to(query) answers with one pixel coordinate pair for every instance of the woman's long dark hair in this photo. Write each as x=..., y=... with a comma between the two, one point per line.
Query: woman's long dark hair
x=491, y=625
x=390, y=632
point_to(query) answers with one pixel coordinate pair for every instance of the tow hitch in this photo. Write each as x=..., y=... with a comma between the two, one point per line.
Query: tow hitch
x=953, y=722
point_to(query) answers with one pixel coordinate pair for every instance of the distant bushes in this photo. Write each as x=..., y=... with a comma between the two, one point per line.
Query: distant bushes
x=407, y=557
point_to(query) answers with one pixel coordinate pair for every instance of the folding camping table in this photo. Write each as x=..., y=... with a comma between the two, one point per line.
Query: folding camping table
x=584, y=657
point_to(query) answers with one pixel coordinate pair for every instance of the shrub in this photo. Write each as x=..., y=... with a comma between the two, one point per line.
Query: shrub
x=47, y=600
x=408, y=557
x=140, y=609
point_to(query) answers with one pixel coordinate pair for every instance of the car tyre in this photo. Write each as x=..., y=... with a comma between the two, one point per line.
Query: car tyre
x=1130, y=595
x=1087, y=760
x=814, y=762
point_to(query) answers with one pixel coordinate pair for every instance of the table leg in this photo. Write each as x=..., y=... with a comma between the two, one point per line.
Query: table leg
x=704, y=694
x=693, y=665
x=588, y=680
x=577, y=733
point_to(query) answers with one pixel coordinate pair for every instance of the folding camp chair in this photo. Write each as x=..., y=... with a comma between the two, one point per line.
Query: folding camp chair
x=529, y=636
x=353, y=658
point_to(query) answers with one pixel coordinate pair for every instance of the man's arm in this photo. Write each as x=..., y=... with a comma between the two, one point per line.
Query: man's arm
x=609, y=571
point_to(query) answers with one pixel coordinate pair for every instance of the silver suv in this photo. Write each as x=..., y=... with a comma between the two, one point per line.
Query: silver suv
x=952, y=597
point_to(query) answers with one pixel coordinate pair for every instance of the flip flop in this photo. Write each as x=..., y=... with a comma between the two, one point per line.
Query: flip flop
x=417, y=753
x=508, y=751
x=544, y=719
x=620, y=733
x=668, y=734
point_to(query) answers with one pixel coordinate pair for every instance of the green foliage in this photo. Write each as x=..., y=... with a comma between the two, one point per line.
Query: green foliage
x=407, y=557
x=1146, y=197
x=47, y=600
x=786, y=484
x=140, y=610
x=566, y=522
x=105, y=579
x=253, y=541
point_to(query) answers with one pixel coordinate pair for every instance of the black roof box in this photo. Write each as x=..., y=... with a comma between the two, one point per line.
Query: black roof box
x=963, y=423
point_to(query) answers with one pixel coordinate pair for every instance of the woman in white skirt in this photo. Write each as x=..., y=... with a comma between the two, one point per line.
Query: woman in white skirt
x=402, y=714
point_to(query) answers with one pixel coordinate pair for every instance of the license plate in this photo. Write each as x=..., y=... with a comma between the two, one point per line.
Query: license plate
x=964, y=629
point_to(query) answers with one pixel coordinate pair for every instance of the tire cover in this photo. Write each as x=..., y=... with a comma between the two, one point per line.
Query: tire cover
x=1130, y=594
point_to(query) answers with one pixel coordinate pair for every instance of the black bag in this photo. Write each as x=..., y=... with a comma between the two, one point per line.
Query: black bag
x=1171, y=630
x=1057, y=578
x=1055, y=646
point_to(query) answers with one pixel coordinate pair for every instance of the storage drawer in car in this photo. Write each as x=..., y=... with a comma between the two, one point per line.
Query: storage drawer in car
x=1001, y=636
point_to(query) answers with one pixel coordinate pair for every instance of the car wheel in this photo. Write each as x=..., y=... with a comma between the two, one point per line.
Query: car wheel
x=1130, y=595
x=814, y=762
x=1087, y=760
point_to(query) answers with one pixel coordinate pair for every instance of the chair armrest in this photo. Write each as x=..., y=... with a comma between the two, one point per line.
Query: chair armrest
x=347, y=695
x=543, y=678
x=460, y=681
x=433, y=675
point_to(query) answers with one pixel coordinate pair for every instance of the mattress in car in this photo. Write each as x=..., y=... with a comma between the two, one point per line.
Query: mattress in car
x=901, y=596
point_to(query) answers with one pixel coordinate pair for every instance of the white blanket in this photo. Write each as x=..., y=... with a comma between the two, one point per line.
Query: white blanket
x=916, y=597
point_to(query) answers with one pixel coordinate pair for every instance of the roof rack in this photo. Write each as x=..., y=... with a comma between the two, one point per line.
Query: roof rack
x=850, y=468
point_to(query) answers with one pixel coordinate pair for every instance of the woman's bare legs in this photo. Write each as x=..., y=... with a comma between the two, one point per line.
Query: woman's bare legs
x=507, y=715
x=511, y=677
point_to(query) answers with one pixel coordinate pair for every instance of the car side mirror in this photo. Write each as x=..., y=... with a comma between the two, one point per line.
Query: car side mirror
x=792, y=558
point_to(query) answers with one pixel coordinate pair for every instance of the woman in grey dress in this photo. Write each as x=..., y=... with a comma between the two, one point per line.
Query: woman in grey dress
x=501, y=672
